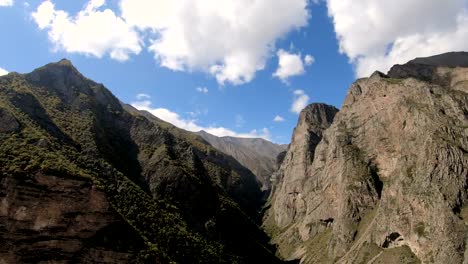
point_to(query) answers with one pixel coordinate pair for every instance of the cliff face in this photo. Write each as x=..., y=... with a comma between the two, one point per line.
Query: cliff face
x=85, y=178
x=256, y=154
x=388, y=181
x=55, y=218
x=286, y=203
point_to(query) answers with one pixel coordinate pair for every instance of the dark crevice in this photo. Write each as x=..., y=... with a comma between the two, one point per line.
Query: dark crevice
x=378, y=184
x=327, y=222
x=392, y=237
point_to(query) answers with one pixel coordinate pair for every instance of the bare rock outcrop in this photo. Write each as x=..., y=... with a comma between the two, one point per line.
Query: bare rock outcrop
x=56, y=219
x=286, y=202
x=388, y=182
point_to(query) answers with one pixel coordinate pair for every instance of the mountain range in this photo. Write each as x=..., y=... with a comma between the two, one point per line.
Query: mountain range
x=256, y=154
x=86, y=178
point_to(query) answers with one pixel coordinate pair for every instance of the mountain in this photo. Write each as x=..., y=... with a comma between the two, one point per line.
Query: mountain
x=387, y=180
x=85, y=178
x=256, y=154
x=450, y=59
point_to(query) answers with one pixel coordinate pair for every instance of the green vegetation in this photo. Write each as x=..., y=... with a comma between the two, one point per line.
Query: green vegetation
x=82, y=131
x=319, y=245
x=401, y=254
x=393, y=80
x=365, y=222
x=420, y=229
x=367, y=252
x=464, y=214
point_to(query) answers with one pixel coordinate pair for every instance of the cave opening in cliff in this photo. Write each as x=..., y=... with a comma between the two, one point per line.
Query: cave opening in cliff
x=378, y=183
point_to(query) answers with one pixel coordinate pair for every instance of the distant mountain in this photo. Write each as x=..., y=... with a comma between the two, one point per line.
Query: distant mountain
x=256, y=154
x=87, y=179
x=450, y=59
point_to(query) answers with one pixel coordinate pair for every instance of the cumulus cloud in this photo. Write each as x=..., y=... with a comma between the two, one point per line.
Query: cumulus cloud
x=192, y=125
x=301, y=99
x=6, y=2
x=230, y=39
x=202, y=90
x=3, y=72
x=290, y=64
x=91, y=32
x=378, y=34
x=278, y=118
x=309, y=60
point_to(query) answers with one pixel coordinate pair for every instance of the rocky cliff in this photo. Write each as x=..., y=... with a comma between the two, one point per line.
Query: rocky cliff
x=286, y=203
x=85, y=178
x=256, y=154
x=388, y=180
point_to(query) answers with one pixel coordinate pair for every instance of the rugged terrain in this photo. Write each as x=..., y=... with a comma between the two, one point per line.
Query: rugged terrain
x=256, y=154
x=85, y=178
x=388, y=180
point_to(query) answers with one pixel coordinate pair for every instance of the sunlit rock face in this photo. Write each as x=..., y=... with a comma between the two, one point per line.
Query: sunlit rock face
x=388, y=180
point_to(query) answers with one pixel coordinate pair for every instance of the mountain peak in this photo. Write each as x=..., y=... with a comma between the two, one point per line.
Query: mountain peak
x=318, y=114
x=450, y=59
x=65, y=62
x=61, y=69
x=64, y=80
x=60, y=76
x=425, y=69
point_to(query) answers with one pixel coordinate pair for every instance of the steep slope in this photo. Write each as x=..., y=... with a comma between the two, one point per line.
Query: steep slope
x=286, y=202
x=86, y=179
x=256, y=154
x=388, y=182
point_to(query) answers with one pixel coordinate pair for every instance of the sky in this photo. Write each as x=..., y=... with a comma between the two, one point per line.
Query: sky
x=231, y=67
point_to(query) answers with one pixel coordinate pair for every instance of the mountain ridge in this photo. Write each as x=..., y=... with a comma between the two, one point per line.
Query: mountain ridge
x=256, y=154
x=92, y=173
x=87, y=178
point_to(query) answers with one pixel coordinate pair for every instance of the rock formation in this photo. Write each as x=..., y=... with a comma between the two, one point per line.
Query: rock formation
x=388, y=182
x=286, y=202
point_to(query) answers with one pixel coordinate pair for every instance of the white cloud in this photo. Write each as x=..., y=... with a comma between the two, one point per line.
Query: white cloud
x=192, y=125
x=278, y=118
x=290, y=64
x=202, y=90
x=142, y=96
x=3, y=72
x=378, y=34
x=309, y=60
x=91, y=32
x=6, y=2
x=231, y=39
x=301, y=99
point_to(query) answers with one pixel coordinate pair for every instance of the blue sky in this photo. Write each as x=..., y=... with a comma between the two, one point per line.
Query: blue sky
x=218, y=69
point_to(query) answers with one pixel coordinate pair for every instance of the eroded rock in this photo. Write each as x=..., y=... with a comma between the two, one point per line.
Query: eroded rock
x=394, y=161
